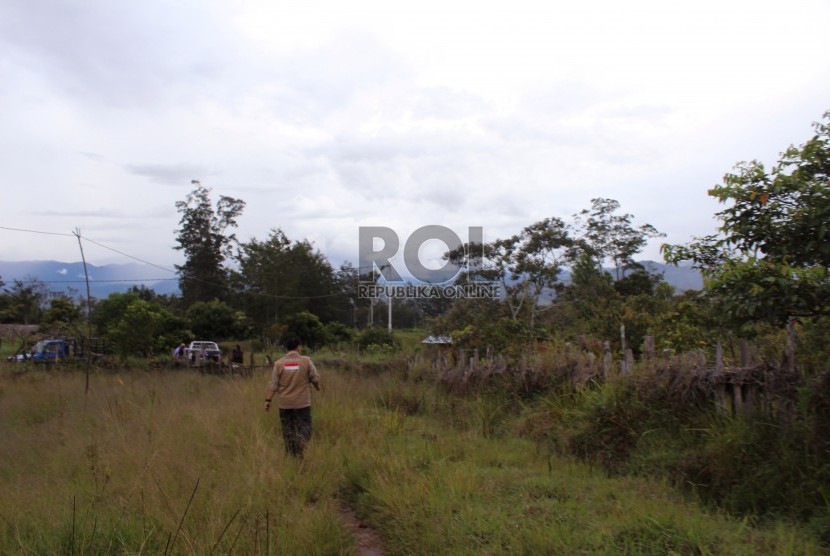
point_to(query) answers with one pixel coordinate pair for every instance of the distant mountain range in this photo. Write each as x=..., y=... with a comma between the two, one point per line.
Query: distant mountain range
x=103, y=280
x=683, y=277
x=115, y=278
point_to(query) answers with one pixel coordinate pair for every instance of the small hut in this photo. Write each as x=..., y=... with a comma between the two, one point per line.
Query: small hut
x=439, y=349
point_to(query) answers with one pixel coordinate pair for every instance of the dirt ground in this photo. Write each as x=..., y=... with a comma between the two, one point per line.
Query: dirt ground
x=368, y=541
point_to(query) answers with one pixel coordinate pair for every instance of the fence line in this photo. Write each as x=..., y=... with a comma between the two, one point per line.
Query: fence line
x=736, y=388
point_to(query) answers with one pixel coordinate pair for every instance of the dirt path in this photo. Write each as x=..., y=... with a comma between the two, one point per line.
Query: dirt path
x=368, y=541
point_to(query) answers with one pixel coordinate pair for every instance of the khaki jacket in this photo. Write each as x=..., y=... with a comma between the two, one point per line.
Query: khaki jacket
x=291, y=379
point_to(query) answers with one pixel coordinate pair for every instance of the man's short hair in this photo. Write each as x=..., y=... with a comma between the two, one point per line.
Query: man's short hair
x=292, y=343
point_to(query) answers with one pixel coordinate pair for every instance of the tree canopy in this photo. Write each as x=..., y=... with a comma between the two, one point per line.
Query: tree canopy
x=611, y=237
x=204, y=238
x=771, y=256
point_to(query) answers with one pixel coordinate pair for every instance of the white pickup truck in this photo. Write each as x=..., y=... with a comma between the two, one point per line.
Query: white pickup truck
x=200, y=352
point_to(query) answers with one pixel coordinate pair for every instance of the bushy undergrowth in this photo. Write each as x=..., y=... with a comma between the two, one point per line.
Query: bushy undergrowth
x=474, y=490
x=770, y=460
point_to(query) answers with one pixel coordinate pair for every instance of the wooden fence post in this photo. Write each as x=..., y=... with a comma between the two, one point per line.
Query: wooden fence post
x=607, y=358
x=738, y=396
x=629, y=360
x=724, y=401
x=622, y=338
x=648, y=345
x=791, y=345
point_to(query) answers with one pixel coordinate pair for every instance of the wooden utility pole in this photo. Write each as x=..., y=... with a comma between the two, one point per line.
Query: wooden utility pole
x=77, y=233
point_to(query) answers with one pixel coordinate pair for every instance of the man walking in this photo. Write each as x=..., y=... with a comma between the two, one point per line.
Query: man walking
x=291, y=380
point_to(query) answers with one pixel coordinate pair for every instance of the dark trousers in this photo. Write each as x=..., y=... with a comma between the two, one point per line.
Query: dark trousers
x=296, y=429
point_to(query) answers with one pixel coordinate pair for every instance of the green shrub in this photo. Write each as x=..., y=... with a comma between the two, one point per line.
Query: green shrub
x=607, y=424
x=336, y=333
x=759, y=463
x=380, y=337
x=306, y=326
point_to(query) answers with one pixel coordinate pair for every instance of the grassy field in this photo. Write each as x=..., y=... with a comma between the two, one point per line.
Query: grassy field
x=182, y=463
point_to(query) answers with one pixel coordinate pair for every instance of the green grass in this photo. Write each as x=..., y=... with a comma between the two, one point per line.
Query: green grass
x=184, y=463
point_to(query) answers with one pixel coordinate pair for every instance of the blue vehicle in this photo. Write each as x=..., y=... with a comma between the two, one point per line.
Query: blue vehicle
x=49, y=351
x=52, y=351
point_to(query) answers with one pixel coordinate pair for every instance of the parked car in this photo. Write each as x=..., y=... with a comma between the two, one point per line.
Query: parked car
x=56, y=349
x=201, y=351
x=45, y=351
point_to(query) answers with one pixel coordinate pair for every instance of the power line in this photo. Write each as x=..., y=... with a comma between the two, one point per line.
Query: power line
x=272, y=296
x=358, y=269
x=129, y=256
x=105, y=281
x=94, y=243
x=35, y=231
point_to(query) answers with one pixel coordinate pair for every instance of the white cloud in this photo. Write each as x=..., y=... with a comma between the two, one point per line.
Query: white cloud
x=327, y=116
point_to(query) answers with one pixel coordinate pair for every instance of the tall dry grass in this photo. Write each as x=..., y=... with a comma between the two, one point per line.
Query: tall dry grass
x=155, y=462
x=183, y=463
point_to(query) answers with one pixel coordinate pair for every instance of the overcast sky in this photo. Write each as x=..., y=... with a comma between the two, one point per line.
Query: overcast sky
x=326, y=116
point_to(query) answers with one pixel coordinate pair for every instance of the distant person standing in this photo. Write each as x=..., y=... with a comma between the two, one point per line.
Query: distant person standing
x=237, y=356
x=178, y=354
x=291, y=380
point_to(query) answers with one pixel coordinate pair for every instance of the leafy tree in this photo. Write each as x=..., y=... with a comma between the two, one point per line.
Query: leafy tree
x=691, y=320
x=214, y=320
x=135, y=326
x=468, y=321
x=337, y=333
x=639, y=282
x=596, y=305
x=135, y=333
x=206, y=244
x=591, y=303
x=763, y=289
x=782, y=215
x=317, y=290
x=265, y=277
x=526, y=265
x=771, y=258
x=108, y=311
x=170, y=302
x=306, y=326
x=278, y=278
x=498, y=264
x=544, y=247
x=352, y=309
x=612, y=237
x=639, y=313
x=173, y=329
x=504, y=335
x=24, y=301
x=61, y=314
